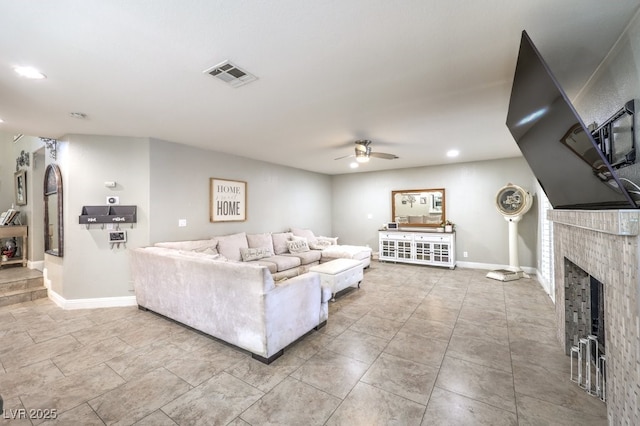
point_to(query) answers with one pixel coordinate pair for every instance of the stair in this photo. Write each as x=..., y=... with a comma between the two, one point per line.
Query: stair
x=18, y=285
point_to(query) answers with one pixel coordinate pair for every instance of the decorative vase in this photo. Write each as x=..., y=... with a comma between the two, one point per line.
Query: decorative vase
x=448, y=228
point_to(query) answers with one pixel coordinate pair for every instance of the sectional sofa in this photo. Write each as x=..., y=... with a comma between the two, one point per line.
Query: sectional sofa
x=250, y=290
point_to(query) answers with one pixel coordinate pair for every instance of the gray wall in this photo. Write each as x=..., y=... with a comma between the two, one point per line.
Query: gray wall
x=362, y=203
x=7, y=168
x=92, y=269
x=277, y=197
x=616, y=81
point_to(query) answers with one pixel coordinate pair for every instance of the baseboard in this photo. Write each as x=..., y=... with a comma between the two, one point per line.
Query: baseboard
x=36, y=264
x=490, y=267
x=94, y=303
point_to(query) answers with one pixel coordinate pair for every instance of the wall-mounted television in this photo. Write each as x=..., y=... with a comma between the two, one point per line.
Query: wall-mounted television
x=570, y=165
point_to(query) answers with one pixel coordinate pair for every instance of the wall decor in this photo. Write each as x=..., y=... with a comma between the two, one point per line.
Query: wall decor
x=228, y=200
x=21, y=187
x=22, y=160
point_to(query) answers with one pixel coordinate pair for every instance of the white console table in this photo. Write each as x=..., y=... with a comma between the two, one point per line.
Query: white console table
x=424, y=248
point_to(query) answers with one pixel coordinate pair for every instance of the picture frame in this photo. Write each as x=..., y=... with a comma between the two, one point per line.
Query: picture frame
x=227, y=200
x=436, y=203
x=20, y=178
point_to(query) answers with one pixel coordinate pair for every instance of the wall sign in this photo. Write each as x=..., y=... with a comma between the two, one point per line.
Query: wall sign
x=228, y=200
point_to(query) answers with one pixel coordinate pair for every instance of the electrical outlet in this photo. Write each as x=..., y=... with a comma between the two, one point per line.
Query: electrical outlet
x=182, y=222
x=465, y=254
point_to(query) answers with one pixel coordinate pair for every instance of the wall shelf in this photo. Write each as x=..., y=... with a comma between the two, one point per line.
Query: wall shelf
x=100, y=215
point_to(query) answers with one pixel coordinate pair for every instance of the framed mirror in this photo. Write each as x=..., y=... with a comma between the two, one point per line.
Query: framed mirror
x=418, y=207
x=53, y=224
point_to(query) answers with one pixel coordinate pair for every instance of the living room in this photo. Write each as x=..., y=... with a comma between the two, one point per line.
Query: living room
x=168, y=181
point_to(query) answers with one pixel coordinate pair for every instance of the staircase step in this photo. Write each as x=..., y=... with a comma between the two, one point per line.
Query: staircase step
x=19, y=285
x=21, y=296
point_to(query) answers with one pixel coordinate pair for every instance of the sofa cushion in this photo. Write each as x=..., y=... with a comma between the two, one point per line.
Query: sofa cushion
x=305, y=233
x=273, y=268
x=229, y=245
x=280, y=242
x=307, y=257
x=209, y=246
x=297, y=246
x=283, y=262
x=255, y=253
x=260, y=240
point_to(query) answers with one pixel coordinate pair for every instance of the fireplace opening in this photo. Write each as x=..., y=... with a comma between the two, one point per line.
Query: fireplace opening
x=597, y=310
x=585, y=328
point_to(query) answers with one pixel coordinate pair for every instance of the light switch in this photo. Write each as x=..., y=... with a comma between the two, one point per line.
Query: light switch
x=182, y=222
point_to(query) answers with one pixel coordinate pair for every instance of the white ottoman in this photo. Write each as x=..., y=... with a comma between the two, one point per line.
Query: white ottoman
x=339, y=274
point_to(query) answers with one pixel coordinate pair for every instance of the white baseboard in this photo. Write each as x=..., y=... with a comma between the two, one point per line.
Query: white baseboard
x=94, y=303
x=490, y=266
x=36, y=264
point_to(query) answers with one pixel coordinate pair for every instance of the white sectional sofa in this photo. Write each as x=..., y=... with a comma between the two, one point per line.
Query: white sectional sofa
x=237, y=302
x=250, y=290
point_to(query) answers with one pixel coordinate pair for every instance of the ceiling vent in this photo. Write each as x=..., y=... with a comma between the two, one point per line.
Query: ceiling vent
x=231, y=74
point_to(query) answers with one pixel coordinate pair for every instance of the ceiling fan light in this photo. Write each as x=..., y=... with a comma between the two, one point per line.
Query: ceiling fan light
x=362, y=159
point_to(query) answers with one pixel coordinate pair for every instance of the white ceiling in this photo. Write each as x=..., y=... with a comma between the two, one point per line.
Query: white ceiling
x=417, y=77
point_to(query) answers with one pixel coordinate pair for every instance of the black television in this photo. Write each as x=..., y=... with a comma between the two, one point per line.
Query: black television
x=569, y=164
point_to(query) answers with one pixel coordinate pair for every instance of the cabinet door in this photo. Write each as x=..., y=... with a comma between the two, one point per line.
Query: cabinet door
x=404, y=249
x=441, y=252
x=423, y=251
x=388, y=249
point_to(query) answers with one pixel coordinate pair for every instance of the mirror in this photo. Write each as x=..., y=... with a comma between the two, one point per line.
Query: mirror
x=418, y=207
x=53, y=225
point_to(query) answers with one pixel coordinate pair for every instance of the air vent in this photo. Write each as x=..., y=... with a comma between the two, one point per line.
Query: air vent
x=231, y=74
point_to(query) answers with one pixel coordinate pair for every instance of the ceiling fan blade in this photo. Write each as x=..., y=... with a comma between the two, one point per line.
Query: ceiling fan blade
x=384, y=155
x=344, y=156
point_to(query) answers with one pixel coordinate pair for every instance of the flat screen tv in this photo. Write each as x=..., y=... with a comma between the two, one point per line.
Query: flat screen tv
x=570, y=165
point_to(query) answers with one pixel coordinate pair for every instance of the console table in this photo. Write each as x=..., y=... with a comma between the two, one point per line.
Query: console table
x=424, y=248
x=17, y=231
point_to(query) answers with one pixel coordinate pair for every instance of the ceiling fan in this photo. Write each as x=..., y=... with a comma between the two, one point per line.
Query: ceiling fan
x=363, y=152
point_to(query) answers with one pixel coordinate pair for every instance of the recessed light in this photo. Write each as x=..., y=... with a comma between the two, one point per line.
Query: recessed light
x=29, y=72
x=453, y=153
x=1, y=120
x=354, y=165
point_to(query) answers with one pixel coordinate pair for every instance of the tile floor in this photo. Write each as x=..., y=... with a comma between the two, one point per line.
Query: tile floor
x=415, y=345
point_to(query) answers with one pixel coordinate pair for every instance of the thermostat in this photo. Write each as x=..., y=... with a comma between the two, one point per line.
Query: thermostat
x=117, y=236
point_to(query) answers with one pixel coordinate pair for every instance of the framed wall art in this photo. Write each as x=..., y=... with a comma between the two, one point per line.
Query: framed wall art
x=228, y=200
x=21, y=187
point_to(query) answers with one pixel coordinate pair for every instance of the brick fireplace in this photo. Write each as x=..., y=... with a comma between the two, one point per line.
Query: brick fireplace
x=605, y=245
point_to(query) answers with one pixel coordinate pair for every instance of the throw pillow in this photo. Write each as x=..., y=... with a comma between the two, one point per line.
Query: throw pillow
x=255, y=253
x=306, y=233
x=297, y=246
x=260, y=240
x=332, y=240
x=280, y=242
x=229, y=245
x=320, y=244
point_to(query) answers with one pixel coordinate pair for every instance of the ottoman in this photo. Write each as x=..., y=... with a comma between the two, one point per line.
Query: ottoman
x=339, y=274
x=361, y=253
